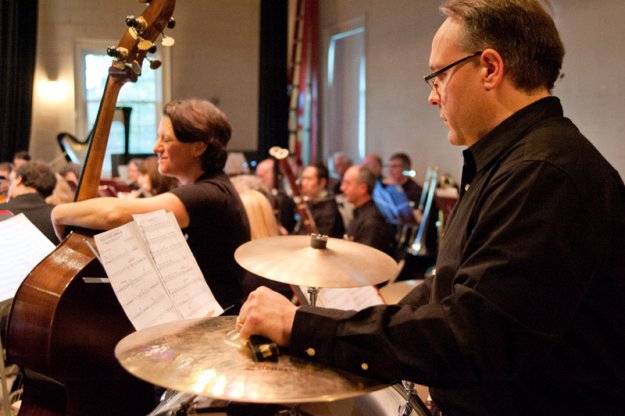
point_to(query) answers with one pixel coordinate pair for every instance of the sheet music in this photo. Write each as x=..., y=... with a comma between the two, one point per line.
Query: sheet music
x=353, y=298
x=22, y=247
x=153, y=272
x=180, y=273
x=134, y=278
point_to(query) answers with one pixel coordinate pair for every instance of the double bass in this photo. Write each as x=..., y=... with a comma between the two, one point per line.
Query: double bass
x=63, y=325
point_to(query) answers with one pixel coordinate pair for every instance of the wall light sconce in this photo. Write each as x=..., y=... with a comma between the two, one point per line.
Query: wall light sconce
x=53, y=91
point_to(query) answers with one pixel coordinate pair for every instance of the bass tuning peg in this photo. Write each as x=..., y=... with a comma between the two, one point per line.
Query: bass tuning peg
x=154, y=63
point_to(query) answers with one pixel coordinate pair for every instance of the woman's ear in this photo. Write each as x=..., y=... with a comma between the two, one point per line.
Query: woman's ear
x=494, y=68
x=199, y=148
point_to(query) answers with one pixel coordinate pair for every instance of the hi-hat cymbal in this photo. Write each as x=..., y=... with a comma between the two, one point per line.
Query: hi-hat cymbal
x=291, y=259
x=201, y=357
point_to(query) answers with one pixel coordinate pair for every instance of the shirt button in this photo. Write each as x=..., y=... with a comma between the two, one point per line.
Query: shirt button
x=364, y=366
x=311, y=352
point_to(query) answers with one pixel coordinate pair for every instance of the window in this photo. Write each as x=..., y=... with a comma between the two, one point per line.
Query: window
x=344, y=118
x=145, y=97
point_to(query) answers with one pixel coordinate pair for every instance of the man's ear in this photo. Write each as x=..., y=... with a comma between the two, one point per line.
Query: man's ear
x=493, y=68
x=323, y=183
x=362, y=187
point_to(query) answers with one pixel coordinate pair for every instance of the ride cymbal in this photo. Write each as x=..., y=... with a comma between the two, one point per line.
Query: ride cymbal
x=293, y=259
x=202, y=357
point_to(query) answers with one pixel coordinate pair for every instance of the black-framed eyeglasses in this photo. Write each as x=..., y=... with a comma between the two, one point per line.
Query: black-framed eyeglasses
x=431, y=79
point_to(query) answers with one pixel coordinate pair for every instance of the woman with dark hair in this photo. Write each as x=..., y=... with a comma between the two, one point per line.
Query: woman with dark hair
x=191, y=147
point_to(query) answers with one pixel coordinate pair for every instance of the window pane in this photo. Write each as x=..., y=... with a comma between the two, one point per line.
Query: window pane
x=143, y=97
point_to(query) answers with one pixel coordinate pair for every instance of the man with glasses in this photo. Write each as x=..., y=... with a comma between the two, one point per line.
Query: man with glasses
x=398, y=167
x=526, y=313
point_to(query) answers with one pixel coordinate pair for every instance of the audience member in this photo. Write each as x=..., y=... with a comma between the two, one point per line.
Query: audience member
x=368, y=225
x=31, y=184
x=320, y=201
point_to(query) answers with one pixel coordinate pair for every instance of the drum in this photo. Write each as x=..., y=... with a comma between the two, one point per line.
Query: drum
x=394, y=292
x=389, y=401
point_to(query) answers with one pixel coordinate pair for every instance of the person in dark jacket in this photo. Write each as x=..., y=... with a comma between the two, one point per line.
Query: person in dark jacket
x=525, y=314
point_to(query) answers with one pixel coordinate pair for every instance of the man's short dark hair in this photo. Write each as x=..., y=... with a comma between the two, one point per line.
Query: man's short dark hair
x=367, y=177
x=523, y=33
x=406, y=163
x=37, y=175
x=322, y=171
x=22, y=154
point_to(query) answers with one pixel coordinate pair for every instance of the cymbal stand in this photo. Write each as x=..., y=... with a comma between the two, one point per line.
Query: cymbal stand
x=319, y=242
x=412, y=398
x=312, y=294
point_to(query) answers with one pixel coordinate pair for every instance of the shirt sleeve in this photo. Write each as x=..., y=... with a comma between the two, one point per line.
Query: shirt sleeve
x=511, y=298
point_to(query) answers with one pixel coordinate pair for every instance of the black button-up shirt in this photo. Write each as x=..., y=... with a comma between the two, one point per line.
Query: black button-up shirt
x=369, y=227
x=526, y=314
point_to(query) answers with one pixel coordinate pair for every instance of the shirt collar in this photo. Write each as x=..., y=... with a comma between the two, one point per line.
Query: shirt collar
x=510, y=131
x=364, y=207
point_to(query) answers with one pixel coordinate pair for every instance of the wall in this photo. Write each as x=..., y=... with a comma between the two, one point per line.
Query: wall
x=398, y=40
x=215, y=57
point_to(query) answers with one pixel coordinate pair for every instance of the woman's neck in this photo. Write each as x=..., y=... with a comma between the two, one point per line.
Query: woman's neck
x=191, y=175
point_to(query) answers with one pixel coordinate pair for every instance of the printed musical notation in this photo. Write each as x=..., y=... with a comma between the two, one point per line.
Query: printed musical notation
x=153, y=271
x=22, y=247
x=353, y=298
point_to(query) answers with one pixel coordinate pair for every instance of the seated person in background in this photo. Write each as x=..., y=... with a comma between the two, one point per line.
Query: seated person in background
x=151, y=181
x=5, y=173
x=340, y=163
x=31, y=183
x=247, y=182
x=321, y=203
x=20, y=157
x=191, y=146
x=244, y=183
x=283, y=204
x=262, y=224
x=62, y=193
x=374, y=163
x=134, y=171
x=71, y=173
x=399, y=163
x=368, y=225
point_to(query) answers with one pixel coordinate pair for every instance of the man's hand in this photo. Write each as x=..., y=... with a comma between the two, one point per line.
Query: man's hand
x=269, y=314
